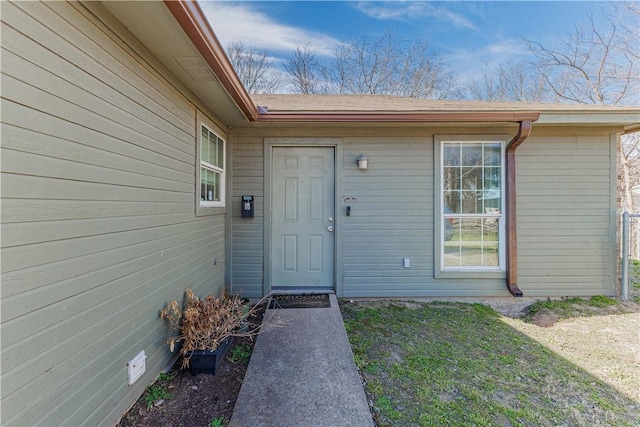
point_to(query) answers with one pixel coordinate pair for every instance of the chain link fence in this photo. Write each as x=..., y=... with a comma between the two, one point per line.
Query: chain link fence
x=630, y=288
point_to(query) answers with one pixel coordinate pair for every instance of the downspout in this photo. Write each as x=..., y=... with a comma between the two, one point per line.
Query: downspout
x=512, y=237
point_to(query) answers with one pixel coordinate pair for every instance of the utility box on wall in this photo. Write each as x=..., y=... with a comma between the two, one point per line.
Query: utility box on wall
x=247, y=207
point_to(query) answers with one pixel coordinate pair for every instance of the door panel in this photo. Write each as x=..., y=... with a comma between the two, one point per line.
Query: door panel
x=302, y=247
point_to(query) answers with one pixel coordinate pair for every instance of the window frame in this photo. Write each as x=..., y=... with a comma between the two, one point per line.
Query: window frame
x=205, y=207
x=440, y=270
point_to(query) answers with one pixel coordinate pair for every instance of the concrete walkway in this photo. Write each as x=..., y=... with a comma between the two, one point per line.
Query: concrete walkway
x=302, y=373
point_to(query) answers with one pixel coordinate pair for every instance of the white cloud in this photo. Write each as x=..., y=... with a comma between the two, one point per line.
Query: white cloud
x=413, y=10
x=245, y=23
x=472, y=62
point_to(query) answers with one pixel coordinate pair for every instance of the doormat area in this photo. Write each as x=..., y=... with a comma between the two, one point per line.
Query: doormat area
x=300, y=301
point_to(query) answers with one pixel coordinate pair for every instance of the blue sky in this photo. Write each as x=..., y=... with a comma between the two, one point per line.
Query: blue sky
x=469, y=34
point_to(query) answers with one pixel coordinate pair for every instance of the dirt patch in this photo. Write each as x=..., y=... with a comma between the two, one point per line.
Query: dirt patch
x=544, y=320
x=195, y=400
x=548, y=313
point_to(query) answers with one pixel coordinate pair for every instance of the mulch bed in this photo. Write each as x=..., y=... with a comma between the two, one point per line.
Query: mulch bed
x=196, y=400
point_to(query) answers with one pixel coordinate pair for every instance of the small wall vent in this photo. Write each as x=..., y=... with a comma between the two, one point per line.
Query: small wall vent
x=136, y=367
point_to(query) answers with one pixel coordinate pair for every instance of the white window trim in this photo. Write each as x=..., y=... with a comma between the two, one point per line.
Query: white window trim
x=466, y=271
x=205, y=207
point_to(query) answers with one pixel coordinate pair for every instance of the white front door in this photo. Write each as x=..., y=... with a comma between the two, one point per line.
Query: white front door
x=303, y=212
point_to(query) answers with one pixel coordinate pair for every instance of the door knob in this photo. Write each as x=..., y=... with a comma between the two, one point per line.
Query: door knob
x=330, y=228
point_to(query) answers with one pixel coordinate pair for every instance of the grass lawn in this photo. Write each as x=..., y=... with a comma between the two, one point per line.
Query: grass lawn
x=461, y=365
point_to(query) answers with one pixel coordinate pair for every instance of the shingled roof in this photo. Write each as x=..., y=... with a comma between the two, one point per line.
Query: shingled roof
x=371, y=105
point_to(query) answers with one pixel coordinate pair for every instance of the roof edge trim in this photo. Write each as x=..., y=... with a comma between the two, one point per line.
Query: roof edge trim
x=195, y=25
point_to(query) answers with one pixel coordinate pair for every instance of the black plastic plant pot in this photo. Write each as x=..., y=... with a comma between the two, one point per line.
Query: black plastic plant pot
x=208, y=362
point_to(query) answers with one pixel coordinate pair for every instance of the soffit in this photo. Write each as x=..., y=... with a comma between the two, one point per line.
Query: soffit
x=153, y=24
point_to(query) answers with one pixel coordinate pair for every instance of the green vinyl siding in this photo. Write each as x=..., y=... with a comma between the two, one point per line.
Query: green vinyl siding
x=391, y=219
x=247, y=243
x=565, y=213
x=98, y=215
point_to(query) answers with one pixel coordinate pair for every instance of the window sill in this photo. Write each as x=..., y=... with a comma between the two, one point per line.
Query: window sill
x=471, y=274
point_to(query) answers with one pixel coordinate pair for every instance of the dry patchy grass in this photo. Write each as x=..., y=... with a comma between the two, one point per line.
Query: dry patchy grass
x=608, y=347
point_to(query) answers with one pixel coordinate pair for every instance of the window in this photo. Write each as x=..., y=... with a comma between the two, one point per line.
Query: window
x=471, y=205
x=212, y=163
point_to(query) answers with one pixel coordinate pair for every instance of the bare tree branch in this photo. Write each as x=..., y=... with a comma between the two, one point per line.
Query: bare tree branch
x=384, y=65
x=303, y=69
x=254, y=68
x=598, y=64
x=509, y=82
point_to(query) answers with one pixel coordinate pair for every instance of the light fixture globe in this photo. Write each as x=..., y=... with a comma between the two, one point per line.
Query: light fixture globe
x=363, y=162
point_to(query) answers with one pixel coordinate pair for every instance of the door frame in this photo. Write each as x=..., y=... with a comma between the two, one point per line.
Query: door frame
x=337, y=145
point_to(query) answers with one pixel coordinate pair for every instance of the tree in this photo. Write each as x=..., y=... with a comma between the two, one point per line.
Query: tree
x=254, y=68
x=387, y=66
x=509, y=82
x=598, y=64
x=425, y=75
x=370, y=65
x=303, y=69
x=629, y=170
x=365, y=65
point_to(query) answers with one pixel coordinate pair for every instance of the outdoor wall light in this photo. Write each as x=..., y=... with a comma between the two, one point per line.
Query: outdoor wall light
x=363, y=162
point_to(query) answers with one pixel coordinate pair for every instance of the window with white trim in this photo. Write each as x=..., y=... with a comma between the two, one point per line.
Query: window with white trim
x=211, y=171
x=472, y=205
